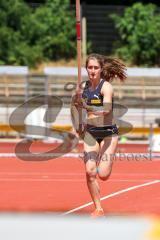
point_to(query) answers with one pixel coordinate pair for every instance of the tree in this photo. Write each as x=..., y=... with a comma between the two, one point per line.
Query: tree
x=28, y=36
x=52, y=26
x=10, y=21
x=139, y=33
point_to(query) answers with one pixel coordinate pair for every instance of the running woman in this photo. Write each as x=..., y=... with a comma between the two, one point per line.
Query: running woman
x=100, y=133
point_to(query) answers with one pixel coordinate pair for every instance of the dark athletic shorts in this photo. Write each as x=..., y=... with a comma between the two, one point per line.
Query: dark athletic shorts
x=99, y=133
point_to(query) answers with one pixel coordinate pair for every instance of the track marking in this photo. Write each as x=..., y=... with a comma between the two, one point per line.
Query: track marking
x=41, y=173
x=39, y=180
x=78, y=174
x=47, y=179
x=112, y=195
x=130, y=155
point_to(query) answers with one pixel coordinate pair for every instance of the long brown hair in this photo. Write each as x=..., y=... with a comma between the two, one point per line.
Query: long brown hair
x=111, y=67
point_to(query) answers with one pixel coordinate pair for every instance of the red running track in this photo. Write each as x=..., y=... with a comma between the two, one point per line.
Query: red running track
x=59, y=185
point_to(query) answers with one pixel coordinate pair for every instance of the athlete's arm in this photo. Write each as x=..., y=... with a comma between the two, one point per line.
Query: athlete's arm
x=75, y=107
x=107, y=92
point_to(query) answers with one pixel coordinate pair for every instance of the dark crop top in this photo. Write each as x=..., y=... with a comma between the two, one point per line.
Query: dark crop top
x=93, y=97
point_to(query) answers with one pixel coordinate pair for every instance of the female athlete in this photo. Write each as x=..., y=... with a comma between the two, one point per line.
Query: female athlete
x=100, y=133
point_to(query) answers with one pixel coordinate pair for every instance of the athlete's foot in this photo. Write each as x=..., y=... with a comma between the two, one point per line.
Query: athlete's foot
x=97, y=213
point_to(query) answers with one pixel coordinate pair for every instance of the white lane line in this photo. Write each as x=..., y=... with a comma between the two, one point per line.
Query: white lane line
x=39, y=180
x=112, y=195
x=42, y=173
x=130, y=156
x=47, y=179
x=64, y=174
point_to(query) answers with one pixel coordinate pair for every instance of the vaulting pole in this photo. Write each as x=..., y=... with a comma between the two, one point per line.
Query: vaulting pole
x=79, y=56
x=78, y=29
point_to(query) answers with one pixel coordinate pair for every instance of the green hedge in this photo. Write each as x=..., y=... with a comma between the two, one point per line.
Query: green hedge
x=28, y=37
x=139, y=32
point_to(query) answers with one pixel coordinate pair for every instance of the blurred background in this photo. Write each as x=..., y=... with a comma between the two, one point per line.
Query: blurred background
x=41, y=37
x=38, y=57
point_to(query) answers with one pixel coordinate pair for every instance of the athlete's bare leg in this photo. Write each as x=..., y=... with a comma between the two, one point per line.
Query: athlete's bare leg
x=107, y=149
x=91, y=148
